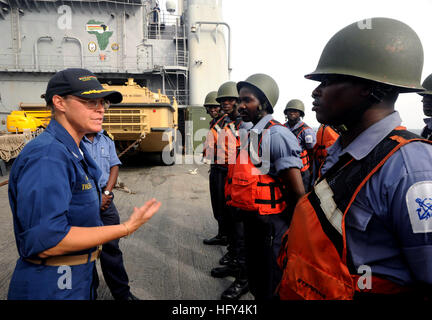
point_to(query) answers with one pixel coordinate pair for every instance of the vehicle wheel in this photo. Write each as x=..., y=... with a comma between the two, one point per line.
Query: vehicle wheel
x=168, y=161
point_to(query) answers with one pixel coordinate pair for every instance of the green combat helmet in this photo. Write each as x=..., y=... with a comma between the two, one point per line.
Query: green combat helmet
x=388, y=52
x=227, y=90
x=266, y=85
x=210, y=99
x=295, y=104
x=427, y=84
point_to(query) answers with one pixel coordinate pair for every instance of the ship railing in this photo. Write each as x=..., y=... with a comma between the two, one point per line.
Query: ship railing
x=100, y=61
x=169, y=27
x=182, y=96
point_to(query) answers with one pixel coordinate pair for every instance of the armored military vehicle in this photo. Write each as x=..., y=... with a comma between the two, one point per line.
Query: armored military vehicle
x=144, y=121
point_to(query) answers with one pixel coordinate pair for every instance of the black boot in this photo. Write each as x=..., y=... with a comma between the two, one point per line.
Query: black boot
x=225, y=271
x=238, y=288
x=226, y=259
x=132, y=297
x=216, y=240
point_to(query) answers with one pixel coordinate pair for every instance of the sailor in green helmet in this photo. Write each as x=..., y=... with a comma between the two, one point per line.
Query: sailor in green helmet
x=305, y=135
x=427, y=107
x=265, y=183
x=216, y=179
x=364, y=231
x=235, y=130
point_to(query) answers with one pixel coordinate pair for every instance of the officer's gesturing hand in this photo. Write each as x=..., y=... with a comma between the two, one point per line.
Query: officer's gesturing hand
x=141, y=215
x=81, y=238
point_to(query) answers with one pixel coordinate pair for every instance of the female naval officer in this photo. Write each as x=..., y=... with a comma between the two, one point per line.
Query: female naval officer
x=55, y=198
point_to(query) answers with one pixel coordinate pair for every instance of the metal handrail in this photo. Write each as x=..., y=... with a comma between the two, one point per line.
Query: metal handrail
x=49, y=62
x=171, y=26
x=217, y=23
x=36, y=54
x=182, y=96
x=69, y=38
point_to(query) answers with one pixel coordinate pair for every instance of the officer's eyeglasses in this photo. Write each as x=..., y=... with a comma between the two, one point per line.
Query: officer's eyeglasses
x=93, y=104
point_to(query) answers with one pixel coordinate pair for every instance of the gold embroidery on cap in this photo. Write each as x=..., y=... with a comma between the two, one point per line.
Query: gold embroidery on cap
x=95, y=91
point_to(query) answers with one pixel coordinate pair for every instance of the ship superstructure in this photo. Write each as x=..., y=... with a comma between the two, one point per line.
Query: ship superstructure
x=177, y=47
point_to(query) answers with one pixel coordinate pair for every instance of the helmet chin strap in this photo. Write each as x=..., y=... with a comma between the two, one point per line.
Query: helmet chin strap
x=377, y=94
x=341, y=128
x=260, y=113
x=234, y=112
x=355, y=116
x=295, y=121
x=358, y=112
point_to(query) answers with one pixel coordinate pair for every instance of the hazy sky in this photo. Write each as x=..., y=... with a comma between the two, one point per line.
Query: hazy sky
x=285, y=39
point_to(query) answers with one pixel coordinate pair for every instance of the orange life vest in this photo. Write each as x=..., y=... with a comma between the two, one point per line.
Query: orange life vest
x=313, y=254
x=304, y=154
x=210, y=149
x=326, y=136
x=249, y=191
x=228, y=141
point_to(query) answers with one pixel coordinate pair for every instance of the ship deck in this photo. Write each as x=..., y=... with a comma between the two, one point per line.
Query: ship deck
x=166, y=258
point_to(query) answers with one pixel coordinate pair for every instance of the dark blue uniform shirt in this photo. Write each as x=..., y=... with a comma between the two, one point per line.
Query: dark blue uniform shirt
x=52, y=188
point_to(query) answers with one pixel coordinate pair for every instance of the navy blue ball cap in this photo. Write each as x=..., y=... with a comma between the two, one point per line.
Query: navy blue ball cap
x=80, y=83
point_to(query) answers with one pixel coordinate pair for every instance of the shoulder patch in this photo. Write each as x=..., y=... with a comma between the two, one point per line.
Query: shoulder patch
x=308, y=138
x=419, y=203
